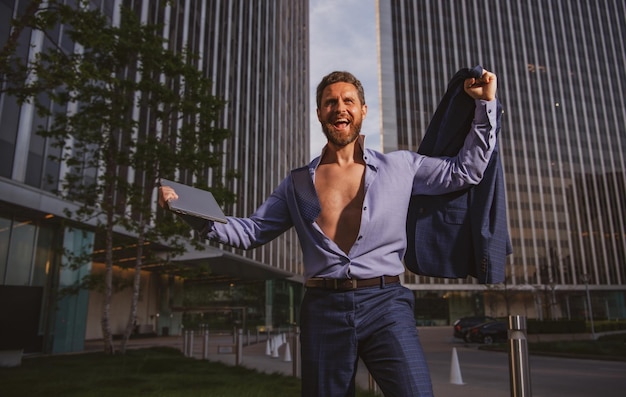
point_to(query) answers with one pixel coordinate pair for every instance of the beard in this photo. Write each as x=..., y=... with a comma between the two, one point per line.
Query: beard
x=339, y=139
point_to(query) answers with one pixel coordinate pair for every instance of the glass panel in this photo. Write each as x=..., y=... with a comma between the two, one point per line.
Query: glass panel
x=20, y=257
x=8, y=131
x=5, y=235
x=36, y=151
x=6, y=11
x=44, y=256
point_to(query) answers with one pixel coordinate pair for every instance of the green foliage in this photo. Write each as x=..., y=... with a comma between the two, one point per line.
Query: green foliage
x=124, y=110
x=572, y=326
x=607, y=348
x=96, y=282
x=607, y=325
x=555, y=326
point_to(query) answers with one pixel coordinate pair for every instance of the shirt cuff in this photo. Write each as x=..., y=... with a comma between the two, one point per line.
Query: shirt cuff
x=486, y=112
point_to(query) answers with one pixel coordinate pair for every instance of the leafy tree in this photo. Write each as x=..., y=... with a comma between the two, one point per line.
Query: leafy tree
x=124, y=110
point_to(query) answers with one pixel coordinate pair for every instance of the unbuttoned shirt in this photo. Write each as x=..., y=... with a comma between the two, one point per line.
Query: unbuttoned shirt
x=390, y=181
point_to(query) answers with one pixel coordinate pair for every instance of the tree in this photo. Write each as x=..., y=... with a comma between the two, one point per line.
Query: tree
x=124, y=110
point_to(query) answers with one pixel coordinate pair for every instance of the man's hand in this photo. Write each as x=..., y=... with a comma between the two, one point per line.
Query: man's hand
x=166, y=194
x=482, y=88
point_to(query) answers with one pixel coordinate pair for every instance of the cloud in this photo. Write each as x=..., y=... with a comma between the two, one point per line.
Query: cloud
x=343, y=37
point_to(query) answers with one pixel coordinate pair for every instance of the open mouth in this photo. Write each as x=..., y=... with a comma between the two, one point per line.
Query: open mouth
x=341, y=124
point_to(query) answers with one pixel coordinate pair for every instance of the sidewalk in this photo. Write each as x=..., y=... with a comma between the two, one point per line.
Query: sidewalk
x=255, y=357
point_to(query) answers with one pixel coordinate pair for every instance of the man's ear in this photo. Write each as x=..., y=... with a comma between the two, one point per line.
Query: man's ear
x=318, y=114
x=364, y=110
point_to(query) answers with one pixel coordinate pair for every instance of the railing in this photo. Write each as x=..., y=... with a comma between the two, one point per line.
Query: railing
x=274, y=340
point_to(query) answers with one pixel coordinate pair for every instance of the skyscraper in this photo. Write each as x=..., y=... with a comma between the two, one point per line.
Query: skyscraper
x=561, y=81
x=256, y=54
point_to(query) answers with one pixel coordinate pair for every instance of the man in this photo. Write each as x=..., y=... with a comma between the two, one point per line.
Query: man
x=350, y=211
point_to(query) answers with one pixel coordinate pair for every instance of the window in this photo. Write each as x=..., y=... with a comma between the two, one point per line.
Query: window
x=20, y=256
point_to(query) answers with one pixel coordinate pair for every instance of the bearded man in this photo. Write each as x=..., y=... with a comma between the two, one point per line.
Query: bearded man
x=349, y=208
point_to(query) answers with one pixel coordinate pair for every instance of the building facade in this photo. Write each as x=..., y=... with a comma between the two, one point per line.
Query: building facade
x=561, y=82
x=256, y=54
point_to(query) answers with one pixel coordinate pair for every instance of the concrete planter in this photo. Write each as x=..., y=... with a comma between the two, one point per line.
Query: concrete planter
x=11, y=358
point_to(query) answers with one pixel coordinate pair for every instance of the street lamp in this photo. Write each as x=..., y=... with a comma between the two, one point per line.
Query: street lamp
x=586, y=278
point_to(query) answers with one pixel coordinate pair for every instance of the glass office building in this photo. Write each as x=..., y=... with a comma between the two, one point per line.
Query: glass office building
x=256, y=54
x=561, y=80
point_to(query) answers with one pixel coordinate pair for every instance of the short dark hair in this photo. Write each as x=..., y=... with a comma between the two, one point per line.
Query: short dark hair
x=339, y=77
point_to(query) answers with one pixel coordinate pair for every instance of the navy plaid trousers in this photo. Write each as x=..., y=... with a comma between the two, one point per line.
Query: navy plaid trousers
x=376, y=324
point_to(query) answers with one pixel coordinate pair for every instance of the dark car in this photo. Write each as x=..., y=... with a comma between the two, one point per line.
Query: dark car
x=488, y=333
x=462, y=325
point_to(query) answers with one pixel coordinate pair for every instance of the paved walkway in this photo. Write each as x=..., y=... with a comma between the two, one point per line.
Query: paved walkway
x=484, y=373
x=255, y=356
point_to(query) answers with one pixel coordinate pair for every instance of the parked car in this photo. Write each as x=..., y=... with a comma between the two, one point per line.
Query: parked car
x=462, y=325
x=488, y=333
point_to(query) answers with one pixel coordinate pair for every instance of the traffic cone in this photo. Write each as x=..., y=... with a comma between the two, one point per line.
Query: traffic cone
x=455, y=369
x=287, y=355
x=268, y=347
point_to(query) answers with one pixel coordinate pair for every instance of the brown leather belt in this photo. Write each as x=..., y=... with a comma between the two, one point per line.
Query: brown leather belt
x=350, y=283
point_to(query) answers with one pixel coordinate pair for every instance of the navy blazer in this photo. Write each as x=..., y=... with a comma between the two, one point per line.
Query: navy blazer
x=462, y=233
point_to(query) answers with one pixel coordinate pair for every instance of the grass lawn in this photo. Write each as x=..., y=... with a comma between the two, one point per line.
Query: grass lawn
x=159, y=371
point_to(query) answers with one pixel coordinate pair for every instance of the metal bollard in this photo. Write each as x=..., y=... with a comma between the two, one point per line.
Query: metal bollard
x=239, y=347
x=373, y=386
x=185, y=343
x=518, y=357
x=295, y=359
x=190, y=354
x=205, y=350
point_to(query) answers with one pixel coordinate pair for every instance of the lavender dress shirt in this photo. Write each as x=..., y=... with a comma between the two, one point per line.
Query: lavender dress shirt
x=390, y=181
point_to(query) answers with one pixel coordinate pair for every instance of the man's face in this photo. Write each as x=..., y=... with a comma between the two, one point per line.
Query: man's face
x=341, y=113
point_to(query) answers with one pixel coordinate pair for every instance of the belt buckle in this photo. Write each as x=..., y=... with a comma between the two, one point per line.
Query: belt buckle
x=346, y=284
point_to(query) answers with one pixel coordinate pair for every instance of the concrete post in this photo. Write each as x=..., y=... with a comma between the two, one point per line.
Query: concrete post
x=295, y=357
x=205, y=350
x=372, y=385
x=185, y=343
x=191, y=334
x=239, y=347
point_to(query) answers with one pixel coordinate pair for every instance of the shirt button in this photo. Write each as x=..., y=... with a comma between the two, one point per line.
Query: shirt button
x=360, y=237
x=364, y=208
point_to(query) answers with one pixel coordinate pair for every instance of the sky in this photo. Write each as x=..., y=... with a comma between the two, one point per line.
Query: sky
x=343, y=37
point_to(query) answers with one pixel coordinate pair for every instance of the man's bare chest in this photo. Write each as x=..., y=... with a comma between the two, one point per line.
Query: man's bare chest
x=339, y=189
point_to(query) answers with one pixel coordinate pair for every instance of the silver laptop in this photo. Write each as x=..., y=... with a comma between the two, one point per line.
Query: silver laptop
x=195, y=202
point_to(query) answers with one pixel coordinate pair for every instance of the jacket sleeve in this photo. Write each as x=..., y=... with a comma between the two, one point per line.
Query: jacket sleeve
x=439, y=175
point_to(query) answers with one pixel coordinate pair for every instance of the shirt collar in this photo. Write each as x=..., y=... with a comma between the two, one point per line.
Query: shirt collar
x=370, y=160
